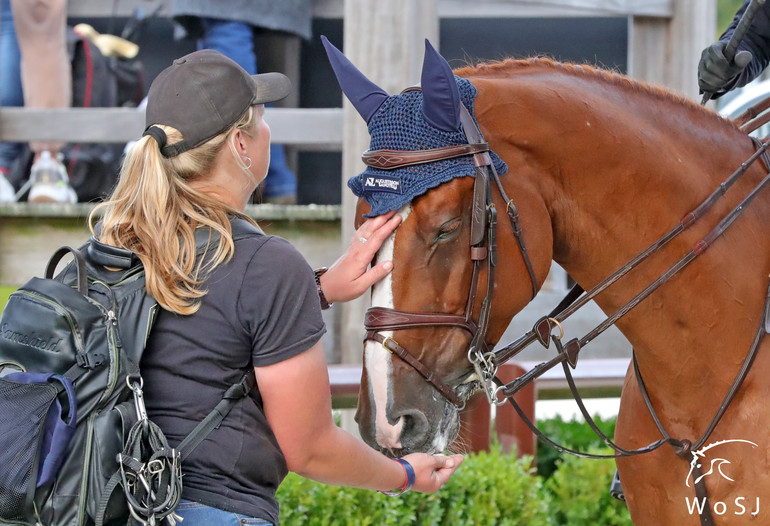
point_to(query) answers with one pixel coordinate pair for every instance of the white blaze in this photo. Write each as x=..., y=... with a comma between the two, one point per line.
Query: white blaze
x=378, y=360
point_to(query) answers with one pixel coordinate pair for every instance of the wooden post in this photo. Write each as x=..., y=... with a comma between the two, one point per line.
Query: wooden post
x=475, y=426
x=666, y=51
x=385, y=41
x=511, y=430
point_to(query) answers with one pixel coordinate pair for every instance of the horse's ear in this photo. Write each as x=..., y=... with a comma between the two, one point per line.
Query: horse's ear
x=441, y=98
x=365, y=95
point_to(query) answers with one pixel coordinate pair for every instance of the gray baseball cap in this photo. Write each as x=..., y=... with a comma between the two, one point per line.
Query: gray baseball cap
x=203, y=94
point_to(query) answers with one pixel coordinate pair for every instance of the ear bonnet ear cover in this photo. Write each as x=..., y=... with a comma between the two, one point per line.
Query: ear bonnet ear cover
x=399, y=124
x=413, y=120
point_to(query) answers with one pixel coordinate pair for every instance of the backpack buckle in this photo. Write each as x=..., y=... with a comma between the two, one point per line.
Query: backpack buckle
x=90, y=361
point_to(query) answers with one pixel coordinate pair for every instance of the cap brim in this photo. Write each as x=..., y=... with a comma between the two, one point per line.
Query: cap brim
x=271, y=87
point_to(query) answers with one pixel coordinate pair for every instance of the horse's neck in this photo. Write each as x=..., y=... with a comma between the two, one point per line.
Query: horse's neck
x=616, y=170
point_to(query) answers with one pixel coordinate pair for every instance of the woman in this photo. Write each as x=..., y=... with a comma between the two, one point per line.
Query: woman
x=252, y=302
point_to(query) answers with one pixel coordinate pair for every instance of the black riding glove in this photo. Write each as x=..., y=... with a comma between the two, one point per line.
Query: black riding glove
x=715, y=72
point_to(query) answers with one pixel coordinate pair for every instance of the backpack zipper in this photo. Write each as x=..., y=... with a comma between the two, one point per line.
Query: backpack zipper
x=86, y=470
x=114, y=339
x=60, y=310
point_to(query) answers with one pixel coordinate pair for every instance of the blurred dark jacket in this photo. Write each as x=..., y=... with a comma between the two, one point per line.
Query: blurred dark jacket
x=290, y=16
x=757, y=41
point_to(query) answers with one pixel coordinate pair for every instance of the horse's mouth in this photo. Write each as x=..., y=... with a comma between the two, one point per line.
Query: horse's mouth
x=467, y=389
x=446, y=428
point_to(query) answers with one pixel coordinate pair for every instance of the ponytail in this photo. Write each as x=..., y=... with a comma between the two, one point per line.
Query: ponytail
x=154, y=212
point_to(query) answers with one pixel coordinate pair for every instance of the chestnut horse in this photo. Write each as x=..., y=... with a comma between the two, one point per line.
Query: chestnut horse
x=599, y=166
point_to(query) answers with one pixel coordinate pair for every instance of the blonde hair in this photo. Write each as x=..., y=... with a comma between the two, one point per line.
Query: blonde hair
x=154, y=212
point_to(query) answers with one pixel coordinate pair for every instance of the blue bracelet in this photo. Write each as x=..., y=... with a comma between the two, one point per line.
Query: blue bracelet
x=409, y=479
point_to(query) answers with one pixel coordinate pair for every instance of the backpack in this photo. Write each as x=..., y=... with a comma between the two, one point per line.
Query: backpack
x=97, y=82
x=76, y=447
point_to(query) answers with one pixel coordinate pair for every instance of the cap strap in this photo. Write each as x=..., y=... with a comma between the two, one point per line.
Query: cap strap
x=158, y=134
x=172, y=150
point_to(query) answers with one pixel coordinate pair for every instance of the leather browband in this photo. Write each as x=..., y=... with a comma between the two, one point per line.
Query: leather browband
x=392, y=159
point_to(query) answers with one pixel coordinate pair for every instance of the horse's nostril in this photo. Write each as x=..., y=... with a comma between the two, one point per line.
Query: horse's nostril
x=415, y=428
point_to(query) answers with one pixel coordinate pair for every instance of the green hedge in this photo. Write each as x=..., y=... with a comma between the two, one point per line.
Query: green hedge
x=573, y=434
x=4, y=293
x=488, y=489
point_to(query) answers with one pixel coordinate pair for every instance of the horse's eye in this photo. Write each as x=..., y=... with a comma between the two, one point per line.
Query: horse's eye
x=448, y=229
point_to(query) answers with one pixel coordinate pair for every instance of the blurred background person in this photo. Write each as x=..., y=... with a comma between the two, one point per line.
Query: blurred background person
x=229, y=26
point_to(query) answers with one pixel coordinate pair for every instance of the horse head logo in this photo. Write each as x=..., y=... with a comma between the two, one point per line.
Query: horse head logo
x=713, y=465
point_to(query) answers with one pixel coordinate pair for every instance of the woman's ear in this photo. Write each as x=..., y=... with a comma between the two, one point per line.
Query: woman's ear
x=239, y=140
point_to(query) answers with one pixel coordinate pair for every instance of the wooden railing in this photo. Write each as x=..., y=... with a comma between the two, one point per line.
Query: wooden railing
x=446, y=8
x=308, y=128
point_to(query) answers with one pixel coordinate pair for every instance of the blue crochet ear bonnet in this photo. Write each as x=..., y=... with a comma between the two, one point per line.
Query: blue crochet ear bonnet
x=399, y=124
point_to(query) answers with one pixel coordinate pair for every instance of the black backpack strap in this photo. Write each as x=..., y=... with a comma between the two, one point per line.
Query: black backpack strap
x=80, y=265
x=235, y=393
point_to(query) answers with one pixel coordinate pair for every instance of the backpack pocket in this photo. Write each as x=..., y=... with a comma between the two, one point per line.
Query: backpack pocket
x=111, y=430
x=38, y=425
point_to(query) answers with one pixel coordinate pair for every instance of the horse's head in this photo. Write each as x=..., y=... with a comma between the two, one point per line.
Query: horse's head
x=429, y=319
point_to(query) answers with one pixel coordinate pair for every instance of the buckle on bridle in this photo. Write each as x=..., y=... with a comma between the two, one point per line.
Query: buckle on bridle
x=385, y=343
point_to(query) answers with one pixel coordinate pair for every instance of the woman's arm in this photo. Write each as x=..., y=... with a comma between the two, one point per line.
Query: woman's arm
x=297, y=403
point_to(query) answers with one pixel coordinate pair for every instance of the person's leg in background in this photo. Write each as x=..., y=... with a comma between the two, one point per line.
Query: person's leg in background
x=236, y=40
x=11, y=94
x=46, y=79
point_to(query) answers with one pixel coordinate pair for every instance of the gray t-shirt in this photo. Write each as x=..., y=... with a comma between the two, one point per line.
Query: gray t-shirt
x=261, y=308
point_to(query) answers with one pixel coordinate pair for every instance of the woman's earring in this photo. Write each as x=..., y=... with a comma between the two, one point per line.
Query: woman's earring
x=247, y=161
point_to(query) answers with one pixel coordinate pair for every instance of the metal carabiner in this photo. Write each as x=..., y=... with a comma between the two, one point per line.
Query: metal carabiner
x=136, y=387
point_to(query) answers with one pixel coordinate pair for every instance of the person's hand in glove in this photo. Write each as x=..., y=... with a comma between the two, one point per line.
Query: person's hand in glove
x=715, y=72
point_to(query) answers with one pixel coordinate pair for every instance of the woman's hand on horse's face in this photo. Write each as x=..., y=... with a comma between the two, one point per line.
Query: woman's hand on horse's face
x=432, y=471
x=348, y=277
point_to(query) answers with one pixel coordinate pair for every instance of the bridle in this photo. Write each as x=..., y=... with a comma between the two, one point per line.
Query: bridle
x=483, y=249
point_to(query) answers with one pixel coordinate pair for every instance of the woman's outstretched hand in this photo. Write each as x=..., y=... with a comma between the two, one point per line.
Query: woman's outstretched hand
x=348, y=277
x=432, y=471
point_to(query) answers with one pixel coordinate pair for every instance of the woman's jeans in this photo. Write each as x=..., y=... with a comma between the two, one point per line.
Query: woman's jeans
x=196, y=514
x=11, y=94
x=236, y=41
